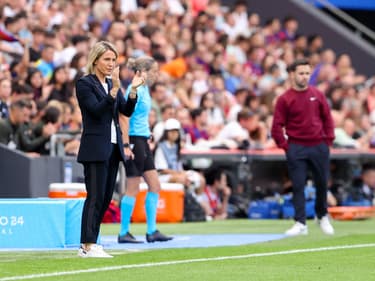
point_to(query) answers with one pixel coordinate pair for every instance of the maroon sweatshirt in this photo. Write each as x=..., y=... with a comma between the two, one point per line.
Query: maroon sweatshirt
x=302, y=117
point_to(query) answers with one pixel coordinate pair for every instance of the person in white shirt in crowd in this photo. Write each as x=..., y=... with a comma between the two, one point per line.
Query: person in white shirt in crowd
x=168, y=161
x=344, y=130
x=215, y=116
x=240, y=96
x=236, y=134
x=167, y=111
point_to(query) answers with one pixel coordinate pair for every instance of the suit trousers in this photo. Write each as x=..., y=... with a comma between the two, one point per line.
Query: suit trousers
x=300, y=159
x=100, y=180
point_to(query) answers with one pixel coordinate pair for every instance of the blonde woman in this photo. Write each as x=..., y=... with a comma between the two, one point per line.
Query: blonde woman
x=101, y=149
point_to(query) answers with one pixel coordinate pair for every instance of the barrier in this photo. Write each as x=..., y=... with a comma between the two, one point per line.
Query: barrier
x=170, y=204
x=37, y=173
x=40, y=223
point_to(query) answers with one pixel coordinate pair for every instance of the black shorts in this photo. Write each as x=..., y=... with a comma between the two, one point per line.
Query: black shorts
x=143, y=159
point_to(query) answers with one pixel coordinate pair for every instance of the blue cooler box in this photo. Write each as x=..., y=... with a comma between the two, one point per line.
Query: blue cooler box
x=262, y=209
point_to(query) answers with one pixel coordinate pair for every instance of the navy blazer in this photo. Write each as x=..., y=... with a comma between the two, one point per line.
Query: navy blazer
x=98, y=109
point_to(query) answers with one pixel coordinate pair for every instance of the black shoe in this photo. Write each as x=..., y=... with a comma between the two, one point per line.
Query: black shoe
x=157, y=236
x=128, y=238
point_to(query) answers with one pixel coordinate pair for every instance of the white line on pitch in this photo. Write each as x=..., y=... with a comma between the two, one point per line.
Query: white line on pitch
x=142, y=265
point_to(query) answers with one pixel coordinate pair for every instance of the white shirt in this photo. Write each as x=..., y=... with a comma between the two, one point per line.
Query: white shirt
x=128, y=6
x=233, y=130
x=160, y=160
x=175, y=7
x=215, y=116
x=233, y=112
x=113, y=127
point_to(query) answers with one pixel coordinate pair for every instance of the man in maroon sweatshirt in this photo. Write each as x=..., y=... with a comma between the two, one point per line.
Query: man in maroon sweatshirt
x=303, y=127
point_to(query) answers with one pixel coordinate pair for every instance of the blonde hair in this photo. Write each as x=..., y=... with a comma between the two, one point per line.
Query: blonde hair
x=144, y=63
x=96, y=52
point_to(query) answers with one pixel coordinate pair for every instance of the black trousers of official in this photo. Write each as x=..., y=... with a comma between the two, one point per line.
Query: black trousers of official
x=300, y=159
x=100, y=180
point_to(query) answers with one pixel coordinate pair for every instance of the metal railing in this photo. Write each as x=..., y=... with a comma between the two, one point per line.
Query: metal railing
x=58, y=140
x=358, y=27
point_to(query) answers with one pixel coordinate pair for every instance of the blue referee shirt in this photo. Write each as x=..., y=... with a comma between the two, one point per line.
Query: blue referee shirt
x=138, y=123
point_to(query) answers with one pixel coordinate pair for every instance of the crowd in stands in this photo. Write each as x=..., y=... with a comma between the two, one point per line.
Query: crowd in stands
x=221, y=71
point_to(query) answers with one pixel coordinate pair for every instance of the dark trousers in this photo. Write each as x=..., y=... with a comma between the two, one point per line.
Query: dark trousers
x=299, y=159
x=100, y=180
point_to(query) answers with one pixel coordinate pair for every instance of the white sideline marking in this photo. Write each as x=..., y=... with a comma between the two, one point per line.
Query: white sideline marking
x=130, y=266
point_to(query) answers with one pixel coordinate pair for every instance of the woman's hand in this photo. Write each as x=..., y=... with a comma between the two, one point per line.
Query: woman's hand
x=116, y=78
x=116, y=83
x=138, y=80
x=129, y=155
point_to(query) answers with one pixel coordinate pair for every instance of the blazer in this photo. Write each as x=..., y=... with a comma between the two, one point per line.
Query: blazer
x=98, y=109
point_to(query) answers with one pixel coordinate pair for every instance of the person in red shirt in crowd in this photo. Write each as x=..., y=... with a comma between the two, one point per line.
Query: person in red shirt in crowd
x=303, y=127
x=215, y=195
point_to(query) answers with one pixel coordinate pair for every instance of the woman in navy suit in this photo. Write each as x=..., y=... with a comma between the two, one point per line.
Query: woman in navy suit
x=101, y=100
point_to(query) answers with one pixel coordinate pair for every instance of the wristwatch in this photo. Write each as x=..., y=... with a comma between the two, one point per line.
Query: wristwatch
x=126, y=144
x=133, y=94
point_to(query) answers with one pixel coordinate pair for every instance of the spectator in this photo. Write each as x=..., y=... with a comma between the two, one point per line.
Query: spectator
x=362, y=191
x=76, y=67
x=269, y=80
x=215, y=116
x=19, y=113
x=167, y=111
x=240, y=17
x=36, y=44
x=315, y=44
x=35, y=80
x=66, y=116
x=168, y=161
x=79, y=44
x=127, y=6
x=184, y=89
x=61, y=89
x=21, y=91
x=159, y=98
x=240, y=96
x=271, y=29
x=198, y=129
x=234, y=78
x=179, y=66
x=289, y=29
x=35, y=137
x=12, y=28
x=236, y=134
x=45, y=63
x=215, y=195
x=344, y=132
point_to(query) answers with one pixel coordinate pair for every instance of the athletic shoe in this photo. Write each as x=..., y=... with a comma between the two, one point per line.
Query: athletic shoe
x=157, y=236
x=95, y=251
x=297, y=229
x=128, y=238
x=326, y=226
